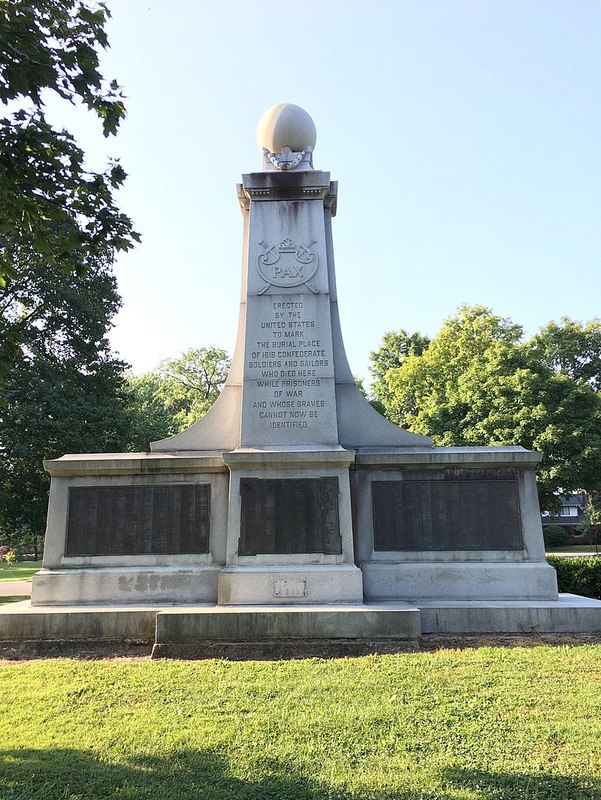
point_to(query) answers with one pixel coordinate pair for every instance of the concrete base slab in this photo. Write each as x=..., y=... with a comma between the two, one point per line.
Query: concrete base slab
x=285, y=584
x=23, y=621
x=125, y=585
x=570, y=614
x=197, y=625
x=264, y=623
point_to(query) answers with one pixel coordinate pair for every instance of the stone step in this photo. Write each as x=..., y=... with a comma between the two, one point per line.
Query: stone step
x=21, y=620
x=571, y=613
x=264, y=623
x=211, y=631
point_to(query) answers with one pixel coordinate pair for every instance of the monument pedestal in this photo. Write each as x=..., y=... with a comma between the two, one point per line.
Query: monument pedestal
x=290, y=532
x=283, y=584
x=130, y=528
x=450, y=523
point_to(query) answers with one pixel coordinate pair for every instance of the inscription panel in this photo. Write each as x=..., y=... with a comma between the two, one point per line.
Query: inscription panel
x=138, y=520
x=446, y=515
x=288, y=371
x=285, y=515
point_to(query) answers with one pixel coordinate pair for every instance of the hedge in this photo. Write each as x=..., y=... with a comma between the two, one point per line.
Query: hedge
x=555, y=536
x=578, y=575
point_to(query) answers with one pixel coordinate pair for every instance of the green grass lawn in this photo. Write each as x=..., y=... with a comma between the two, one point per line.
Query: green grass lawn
x=11, y=598
x=500, y=723
x=19, y=571
x=574, y=548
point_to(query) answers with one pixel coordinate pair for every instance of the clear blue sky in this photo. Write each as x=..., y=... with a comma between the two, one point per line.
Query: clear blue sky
x=465, y=136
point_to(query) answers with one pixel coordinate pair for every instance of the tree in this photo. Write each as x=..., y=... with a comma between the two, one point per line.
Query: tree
x=478, y=383
x=172, y=397
x=572, y=348
x=65, y=394
x=379, y=406
x=50, y=203
x=150, y=417
x=395, y=347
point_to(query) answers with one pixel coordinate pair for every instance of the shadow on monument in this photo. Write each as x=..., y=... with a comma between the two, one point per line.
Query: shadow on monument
x=69, y=773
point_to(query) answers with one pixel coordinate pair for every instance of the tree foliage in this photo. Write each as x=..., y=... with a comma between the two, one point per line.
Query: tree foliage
x=479, y=383
x=395, y=347
x=65, y=394
x=571, y=348
x=51, y=204
x=48, y=200
x=172, y=397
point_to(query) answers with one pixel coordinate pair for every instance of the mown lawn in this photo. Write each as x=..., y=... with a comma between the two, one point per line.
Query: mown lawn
x=486, y=723
x=19, y=571
x=11, y=598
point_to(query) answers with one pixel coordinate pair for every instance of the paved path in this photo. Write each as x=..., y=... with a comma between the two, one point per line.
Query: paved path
x=8, y=588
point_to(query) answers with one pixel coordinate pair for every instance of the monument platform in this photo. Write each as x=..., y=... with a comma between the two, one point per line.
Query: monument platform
x=214, y=631
x=570, y=613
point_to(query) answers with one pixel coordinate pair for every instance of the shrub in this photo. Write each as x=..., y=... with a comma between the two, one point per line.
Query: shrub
x=555, y=536
x=578, y=575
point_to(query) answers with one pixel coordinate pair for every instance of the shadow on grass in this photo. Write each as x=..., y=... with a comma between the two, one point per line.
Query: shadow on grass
x=77, y=775
x=512, y=786
x=10, y=598
x=185, y=775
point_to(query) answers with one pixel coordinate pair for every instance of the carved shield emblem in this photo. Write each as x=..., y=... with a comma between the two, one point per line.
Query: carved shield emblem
x=287, y=265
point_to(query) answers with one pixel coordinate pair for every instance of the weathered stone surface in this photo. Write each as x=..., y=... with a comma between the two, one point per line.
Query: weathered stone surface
x=24, y=621
x=483, y=580
x=398, y=621
x=259, y=584
x=125, y=584
x=568, y=614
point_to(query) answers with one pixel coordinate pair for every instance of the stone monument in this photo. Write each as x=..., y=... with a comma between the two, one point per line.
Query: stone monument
x=292, y=508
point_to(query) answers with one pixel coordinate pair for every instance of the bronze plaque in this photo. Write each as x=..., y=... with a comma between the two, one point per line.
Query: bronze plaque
x=289, y=515
x=138, y=520
x=446, y=515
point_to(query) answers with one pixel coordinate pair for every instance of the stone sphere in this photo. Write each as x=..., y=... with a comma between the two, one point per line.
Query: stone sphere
x=286, y=125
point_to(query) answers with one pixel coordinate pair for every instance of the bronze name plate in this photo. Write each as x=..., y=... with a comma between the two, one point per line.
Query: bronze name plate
x=138, y=520
x=446, y=515
x=289, y=515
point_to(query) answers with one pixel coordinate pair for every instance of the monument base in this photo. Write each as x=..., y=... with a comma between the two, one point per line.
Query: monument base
x=302, y=585
x=214, y=631
x=125, y=585
x=570, y=613
x=466, y=581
